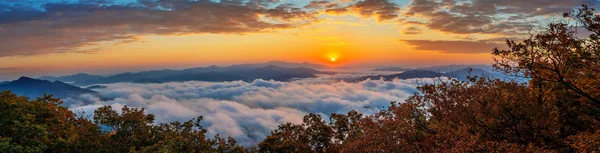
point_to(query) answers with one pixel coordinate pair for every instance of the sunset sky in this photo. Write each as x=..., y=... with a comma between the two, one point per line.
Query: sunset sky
x=57, y=37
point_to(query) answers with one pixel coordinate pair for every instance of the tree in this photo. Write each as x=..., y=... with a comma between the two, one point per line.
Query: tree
x=566, y=69
x=130, y=130
x=134, y=130
x=558, y=57
x=314, y=135
x=42, y=125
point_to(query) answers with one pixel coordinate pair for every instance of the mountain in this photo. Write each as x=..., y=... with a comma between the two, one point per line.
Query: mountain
x=461, y=74
x=147, y=80
x=202, y=76
x=405, y=75
x=245, y=72
x=464, y=73
x=280, y=73
x=75, y=78
x=276, y=70
x=144, y=76
x=295, y=65
x=203, y=69
x=96, y=87
x=450, y=68
x=4, y=82
x=244, y=67
x=33, y=88
x=391, y=69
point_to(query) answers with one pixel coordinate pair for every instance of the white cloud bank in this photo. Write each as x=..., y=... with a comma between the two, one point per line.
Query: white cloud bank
x=248, y=111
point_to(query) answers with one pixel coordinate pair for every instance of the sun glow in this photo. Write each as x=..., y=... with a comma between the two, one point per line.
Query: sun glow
x=333, y=59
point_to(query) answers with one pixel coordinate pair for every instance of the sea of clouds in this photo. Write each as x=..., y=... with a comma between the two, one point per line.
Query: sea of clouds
x=248, y=111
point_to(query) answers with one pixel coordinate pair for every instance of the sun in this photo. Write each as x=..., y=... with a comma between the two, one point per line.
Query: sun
x=333, y=59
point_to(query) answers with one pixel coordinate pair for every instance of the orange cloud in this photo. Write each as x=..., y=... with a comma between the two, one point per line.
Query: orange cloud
x=71, y=27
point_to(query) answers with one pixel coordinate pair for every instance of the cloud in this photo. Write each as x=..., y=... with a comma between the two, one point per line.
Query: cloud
x=458, y=46
x=337, y=10
x=381, y=9
x=70, y=27
x=248, y=111
x=412, y=31
x=10, y=70
x=481, y=16
x=248, y=125
x=31, y=28
x=321, y=4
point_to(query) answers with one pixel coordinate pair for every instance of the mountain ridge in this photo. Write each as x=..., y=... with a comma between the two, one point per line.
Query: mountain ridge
x=460, y=74
x=276, y=70
x=37, y=88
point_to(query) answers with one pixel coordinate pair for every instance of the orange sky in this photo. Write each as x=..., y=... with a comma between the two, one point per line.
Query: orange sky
x=350, y=39
x=365, y=33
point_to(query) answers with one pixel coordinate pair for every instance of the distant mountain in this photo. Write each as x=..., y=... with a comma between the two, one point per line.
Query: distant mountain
x=391, y=69
x=276, y=70
x=147, y=80
x=241, y=67
x=461, y=74
x=246, y=72
x=75, y=78
x=405, y=75
x=33, y=88
x=280, y=74
x=96, y=87
x=202, y=76
x=450, y=68
x=141, y=77
x=295, y=65
x=4, y=82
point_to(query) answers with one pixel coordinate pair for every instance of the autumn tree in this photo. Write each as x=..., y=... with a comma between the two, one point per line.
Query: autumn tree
x=134, y=130
x=559, y=58
x=314, y=135
x=566, y=70
x=42, y=125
